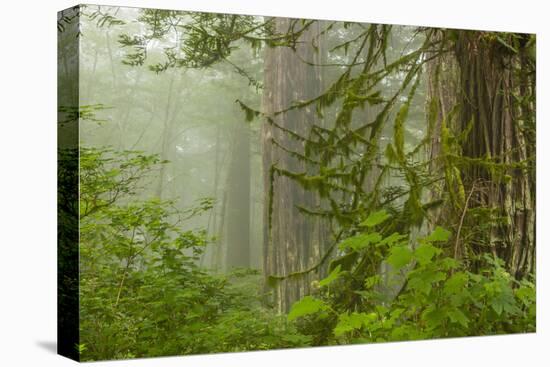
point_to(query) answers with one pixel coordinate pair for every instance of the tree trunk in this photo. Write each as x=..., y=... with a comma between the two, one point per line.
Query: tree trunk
x=492, y=83
x=293, y=242
x=166, y=136
x=238, y=196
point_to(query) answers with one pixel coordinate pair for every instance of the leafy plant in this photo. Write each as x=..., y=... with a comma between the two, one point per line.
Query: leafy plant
x=437, y=296
x=142, y=292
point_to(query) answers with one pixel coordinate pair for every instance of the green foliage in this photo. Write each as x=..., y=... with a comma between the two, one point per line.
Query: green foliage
x=347, y=323
x=142, y=292
x=102, y=18
x=204, y=38
x=399, y=256
x=306, y=306
x=334, y=274
x=438, y=235
x=437, y=295
x=80, y=348
x=375, y=219
x=359, y=241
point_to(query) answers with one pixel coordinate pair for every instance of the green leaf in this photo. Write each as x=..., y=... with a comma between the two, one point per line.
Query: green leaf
x=371, y=281
x=360, y=241
x=375, y=219
x=438, y=235
x=449, y=263
x=80, y=348
x=433, y=316
x=422, y=279
x=504, y=301
x=455, y=283
x=399, y=256
x=457, y=316
x=306, y=306
x=331, y=277
x=391, y=239
x=425, y=252
x=526, y=294
x=353, y=321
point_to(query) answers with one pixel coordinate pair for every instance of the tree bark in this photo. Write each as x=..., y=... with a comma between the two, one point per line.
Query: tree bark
x=492, y=81
x=293, y=242
x=238, y=196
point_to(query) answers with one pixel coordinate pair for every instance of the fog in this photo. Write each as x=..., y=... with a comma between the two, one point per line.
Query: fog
x=232, y=182
x=189, y=116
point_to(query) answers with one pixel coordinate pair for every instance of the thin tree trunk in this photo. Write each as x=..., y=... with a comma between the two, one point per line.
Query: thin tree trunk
x=166, y=135
x=238, y=205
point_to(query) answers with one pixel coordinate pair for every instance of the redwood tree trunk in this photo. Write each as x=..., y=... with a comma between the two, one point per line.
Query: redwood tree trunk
x=493, y=83
x=293, y=242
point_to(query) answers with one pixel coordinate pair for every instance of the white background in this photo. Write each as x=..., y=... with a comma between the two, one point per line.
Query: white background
x=28, y=183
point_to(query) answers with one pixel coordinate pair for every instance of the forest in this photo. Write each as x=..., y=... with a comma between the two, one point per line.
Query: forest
x=234, y=183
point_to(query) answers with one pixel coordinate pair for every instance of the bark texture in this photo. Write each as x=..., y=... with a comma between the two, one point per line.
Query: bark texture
x=293, y=242
x=495, y=112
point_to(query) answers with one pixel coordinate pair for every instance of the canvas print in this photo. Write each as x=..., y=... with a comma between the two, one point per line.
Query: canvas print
x=233, y=183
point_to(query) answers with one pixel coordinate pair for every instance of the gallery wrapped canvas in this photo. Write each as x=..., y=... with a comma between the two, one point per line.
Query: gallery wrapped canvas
x=237, y=183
